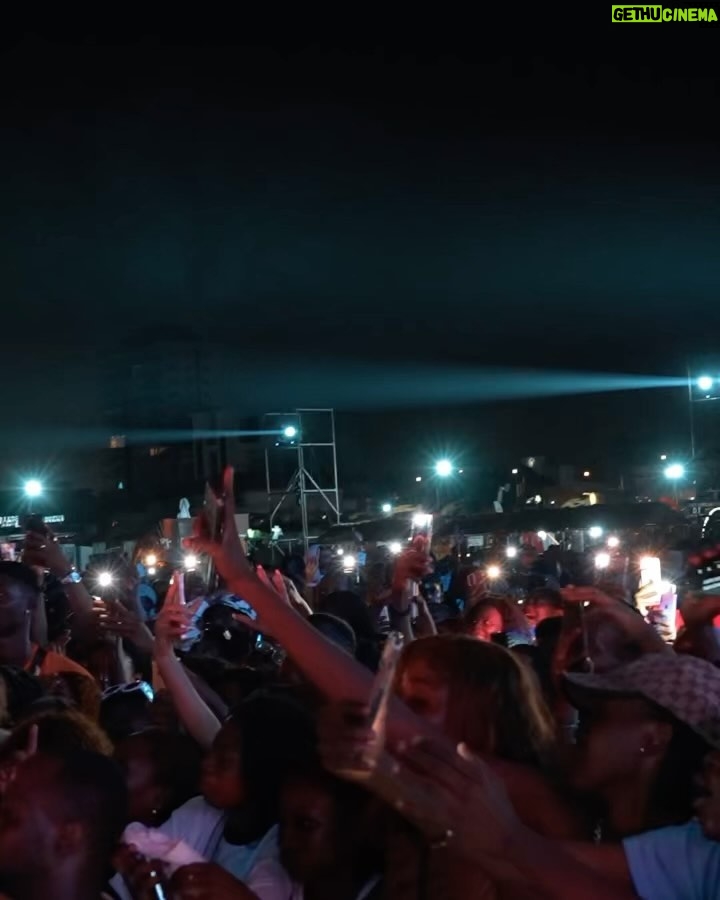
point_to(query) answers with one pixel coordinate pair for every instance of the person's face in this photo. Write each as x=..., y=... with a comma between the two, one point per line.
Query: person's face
x=307, y=820
x=14, y=610
x=28, y=830
x=615, y=740
x=425, y=692
x=489, y=623
x=145, y=796
x=536, y=613
x=222, y=783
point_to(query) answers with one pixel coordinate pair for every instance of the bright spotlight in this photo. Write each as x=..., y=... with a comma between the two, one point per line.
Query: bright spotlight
x=191, y=561
x=340, y=551
x=586, y=474
x=395, y=548
x=705, y=383
x=493, y=572
x=152, y=570
x=151, y=559
x=675, y=471
x=33, y=488
x=595, y=532
x=387, y=508
x=602, y=560
x=349, y=562
x=511, y=552
x=514, y=472
x=418, y=478
x=613, y=542
x=105, y=579
x=542, y=535
x=663, y=457
x=290, y=432
x=443, y=468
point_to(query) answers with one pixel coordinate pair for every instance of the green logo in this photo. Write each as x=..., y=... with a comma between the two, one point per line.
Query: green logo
x=662, y=14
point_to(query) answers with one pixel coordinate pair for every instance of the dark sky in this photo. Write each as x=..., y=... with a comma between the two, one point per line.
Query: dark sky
x=488, y=196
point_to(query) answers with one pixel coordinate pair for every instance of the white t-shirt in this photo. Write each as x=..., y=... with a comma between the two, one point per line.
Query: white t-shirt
x=677, y=863
x=201, y=826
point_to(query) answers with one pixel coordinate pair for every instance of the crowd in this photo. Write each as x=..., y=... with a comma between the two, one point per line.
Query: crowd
x=243, y=748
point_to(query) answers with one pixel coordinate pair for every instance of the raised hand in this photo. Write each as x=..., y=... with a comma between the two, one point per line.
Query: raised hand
x=455, y=798
x=227, y=551
x=175, y=617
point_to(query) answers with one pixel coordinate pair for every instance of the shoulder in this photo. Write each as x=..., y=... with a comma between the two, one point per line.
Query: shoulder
x=674, y=862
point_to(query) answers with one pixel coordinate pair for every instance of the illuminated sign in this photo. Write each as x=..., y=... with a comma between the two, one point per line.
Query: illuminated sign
x=14, y=521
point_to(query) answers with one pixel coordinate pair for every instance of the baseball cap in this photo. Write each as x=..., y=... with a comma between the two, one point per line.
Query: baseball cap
x=685, y=686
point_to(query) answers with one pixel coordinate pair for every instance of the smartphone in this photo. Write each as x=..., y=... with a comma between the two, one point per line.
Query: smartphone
x=214, y=520
x=379, y=703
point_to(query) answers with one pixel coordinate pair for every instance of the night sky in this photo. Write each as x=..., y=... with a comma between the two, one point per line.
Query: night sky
x=481, y=198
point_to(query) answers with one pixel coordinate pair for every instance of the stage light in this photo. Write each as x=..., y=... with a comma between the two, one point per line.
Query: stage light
x=514, y=472
x=705, y=383
x=349, y=562
x=190, y=562
x=511, y=552
x=493, y=572
x=586, y=474
x=675, y=471
x=595, y=532
x=151, y=559
x=418, y=478
x=387, y=508
x=340, y=551
x=290, y=432
x=395, y=548
x=33, y=488
x=152, y=570
x=443, y=468
x=105, y=579
x=613, y=542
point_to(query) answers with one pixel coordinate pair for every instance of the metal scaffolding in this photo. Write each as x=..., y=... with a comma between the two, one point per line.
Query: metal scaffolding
x=316, y=453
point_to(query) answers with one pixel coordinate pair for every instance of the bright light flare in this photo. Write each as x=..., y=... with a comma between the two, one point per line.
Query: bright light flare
x=33, y=488
x=443, y=468
x=422, y=520
x=290, y=431
x=151, y=559
x=396, y=548
x=705, y=383
x=105, y=579
x=602, y=560
x=675, y=471
x=493, y=572
x=190, y=562
x=595, y=532
x=387, y=508
x=511, y=552
x=613, y=542
x=349, y=562
x=542, y=535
